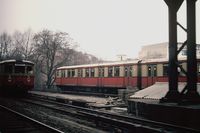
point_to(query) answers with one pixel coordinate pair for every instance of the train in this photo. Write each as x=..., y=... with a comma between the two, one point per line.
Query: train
x=108, y=78
x=16, y=76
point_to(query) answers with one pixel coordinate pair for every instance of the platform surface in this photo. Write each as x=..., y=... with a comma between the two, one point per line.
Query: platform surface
x=146, y=103
x=157, y=91
x=88, y=99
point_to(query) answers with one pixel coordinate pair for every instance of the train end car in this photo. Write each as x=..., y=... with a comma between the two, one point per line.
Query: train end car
x=16, y=76
x=103, y=78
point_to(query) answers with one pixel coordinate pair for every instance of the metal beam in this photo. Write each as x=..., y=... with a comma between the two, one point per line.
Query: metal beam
x=181, y=48
x=173, y=94
x=192, y=94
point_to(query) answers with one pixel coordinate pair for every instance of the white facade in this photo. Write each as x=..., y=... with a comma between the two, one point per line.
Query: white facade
x=160, y=50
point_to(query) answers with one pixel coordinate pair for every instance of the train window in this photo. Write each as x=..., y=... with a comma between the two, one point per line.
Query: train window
x=20, y=69
x=149, y=71
x=73, y=73
x=2, y=69
x=57, y=73
x=92, y=72
x=87, y=74
x=29, y=70
x=180, y=73
x=152, y=70
x=62, y=73
x=198, y=68
x=110, y=71
x=131, y=71
x=101, y=72
x=128, y=71
x=68, y=73
x=116, y=71
x=79, y=72
x=8, y=68
x=165, y=69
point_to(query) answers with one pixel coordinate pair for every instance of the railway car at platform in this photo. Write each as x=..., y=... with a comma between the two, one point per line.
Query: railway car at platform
x=16, y=76
x=110, y=77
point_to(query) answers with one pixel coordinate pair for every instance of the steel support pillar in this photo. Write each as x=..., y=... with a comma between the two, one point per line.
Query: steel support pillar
x=191, y=94
x=173, y=94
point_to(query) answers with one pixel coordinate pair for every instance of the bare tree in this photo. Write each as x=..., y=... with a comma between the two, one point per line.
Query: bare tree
x=84, y=58
x=22, y=47
x=48, y=50
x=52, y=50
x=5, y=44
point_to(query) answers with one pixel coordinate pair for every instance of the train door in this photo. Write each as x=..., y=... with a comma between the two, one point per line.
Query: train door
x=128, y=75
x=152, y=73
x=139, y=75
x=80, y=75
x=100, y=76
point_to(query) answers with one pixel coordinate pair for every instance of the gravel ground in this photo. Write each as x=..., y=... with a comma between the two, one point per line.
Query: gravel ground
x=58, y=120
x=92, y=99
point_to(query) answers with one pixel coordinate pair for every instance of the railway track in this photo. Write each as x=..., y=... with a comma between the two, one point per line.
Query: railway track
x=110, y=121
x=12, y=122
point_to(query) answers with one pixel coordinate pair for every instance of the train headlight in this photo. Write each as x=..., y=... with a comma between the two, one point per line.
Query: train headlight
x=9, y=78
x=28, y=79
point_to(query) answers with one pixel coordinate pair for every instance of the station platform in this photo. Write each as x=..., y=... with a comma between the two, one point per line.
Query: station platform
x=146, y=104
x=81, y=100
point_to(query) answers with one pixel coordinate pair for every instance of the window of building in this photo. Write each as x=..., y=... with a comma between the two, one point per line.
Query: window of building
x=116, y=71
x=110, y=71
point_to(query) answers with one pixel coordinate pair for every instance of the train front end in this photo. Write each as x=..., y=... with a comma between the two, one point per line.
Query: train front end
x=16, y=76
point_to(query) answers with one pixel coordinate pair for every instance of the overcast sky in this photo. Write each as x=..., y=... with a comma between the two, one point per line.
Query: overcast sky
x=104, y=28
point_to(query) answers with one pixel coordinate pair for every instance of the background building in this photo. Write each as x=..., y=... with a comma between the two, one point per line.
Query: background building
x=160, y=50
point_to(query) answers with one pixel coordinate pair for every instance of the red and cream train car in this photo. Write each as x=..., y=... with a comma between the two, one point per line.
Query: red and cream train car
x=109, y=77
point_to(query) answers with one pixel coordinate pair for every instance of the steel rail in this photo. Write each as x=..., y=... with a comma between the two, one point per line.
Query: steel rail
x=47, y=127
x=130, y=119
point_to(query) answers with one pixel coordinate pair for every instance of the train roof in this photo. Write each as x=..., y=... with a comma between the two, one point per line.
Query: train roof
x=100, y=64
x=17, y=61
x=119, y=63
